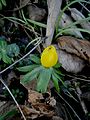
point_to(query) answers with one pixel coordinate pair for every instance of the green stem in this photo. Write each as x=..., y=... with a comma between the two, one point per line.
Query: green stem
x=79, y=29
x=62, y=11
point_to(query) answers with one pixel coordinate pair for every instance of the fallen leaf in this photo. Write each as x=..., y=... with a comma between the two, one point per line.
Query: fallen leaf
x=38, y=110
x=43, y=103
x=73, y=53
x=70, y=62
x=45, y=110
x=36, y=13
x=30, y=113
x=34, y=97
x=77, y=15
x=78, y=47
x=66, y=21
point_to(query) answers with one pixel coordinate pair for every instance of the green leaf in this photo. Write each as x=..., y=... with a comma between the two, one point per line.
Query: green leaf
x=43, y=80
x=58, y=77
x=10, y=113
x=57, y=71
x=37, y=23
x=31, y=75
x=4, y=2
x=3, y=52
x=5, y=58
x=55, y=81
x=13, y=50
x=35, y=59
x=27, y=68
x=0, y=5
x=3, y=44
x=58, y=65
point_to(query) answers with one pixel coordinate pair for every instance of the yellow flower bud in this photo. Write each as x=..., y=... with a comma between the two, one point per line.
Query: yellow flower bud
x=49, y=56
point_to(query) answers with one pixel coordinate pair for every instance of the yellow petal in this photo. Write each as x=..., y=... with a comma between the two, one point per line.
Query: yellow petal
x=49, y=56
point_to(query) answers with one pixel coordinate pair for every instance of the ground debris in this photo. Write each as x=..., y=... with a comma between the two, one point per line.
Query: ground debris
x=74, y=54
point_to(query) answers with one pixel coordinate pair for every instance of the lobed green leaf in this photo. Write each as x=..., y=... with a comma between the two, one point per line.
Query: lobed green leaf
x=13, y=50
x=31, y=75
x=5, y=58
x=28, y=68
x=35, y=59
x=0, y=5
x=56, y=84
x=58, y=77
x=4, y=2
x=43, y=80
x=58, y=65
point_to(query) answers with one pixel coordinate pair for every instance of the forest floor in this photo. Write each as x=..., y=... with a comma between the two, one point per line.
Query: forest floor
x=29, y=90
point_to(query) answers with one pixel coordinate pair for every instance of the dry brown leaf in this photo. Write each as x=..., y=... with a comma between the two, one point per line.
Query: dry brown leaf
x=73, y=53
x=77, y=15
x=34, y=97
x=36, y=13
x=79, y=47
x=70, y=62
x=65, y=21
x=38, y=108
x=30, y=113
x=42, y=104
x=45, y=110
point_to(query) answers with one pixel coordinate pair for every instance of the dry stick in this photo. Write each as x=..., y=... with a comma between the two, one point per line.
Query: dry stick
x=79, y=92
x=84, y=7
x=12, y=97
x=76, y=78
x=28, y=34
x=69, y=105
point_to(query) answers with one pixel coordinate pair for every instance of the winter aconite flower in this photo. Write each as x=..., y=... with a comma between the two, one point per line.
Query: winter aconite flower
x=43, y=70
x=49, y=56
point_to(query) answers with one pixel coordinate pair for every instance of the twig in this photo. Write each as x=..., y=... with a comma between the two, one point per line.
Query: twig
x=77, y=78
x=28, y=34
x=84, y=7
x=79, y=92
x=69, y=105
x=2, y=81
